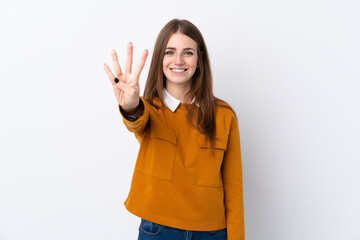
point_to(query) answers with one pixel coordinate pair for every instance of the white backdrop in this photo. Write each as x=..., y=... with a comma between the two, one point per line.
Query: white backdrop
x=290, y=69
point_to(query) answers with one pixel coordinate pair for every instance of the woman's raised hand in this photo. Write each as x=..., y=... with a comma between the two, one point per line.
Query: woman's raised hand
x=126, y=90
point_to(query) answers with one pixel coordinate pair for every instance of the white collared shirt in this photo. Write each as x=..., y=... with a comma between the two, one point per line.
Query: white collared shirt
x=171, y=102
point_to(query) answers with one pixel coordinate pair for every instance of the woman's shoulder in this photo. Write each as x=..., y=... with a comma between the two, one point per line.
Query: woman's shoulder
x=154, y=103
x=223, y=105
x=225, y=109
x=220, y=102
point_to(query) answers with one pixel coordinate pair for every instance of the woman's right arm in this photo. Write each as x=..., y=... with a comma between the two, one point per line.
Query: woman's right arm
x=127, y=91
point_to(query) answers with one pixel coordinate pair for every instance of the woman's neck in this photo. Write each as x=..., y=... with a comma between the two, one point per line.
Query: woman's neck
x=178, y=91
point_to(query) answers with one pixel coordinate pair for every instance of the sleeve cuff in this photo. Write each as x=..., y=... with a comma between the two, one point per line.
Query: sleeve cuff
x=134, y=116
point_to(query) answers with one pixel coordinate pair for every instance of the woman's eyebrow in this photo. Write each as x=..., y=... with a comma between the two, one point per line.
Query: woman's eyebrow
x=185, y=49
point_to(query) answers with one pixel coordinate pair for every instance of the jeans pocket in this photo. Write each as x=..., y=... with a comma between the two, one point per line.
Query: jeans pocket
x=150, y=228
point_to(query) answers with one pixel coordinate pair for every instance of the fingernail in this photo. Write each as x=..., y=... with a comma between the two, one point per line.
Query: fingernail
x=116, y=80
x=130, y=43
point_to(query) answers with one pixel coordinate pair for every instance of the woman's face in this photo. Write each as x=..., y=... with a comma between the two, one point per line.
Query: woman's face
x=180, y=59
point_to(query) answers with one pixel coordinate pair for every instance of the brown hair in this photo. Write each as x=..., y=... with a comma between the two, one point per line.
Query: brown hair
x=201, y=83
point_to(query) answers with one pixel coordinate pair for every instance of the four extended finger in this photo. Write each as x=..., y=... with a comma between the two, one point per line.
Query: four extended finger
x=141, y=63
x=116, y=64
x=128, y=61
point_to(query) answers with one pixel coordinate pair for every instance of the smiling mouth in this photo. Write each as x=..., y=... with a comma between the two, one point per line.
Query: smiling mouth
x=178, y=70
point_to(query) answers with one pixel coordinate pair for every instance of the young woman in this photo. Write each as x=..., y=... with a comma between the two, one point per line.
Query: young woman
x=187, y=182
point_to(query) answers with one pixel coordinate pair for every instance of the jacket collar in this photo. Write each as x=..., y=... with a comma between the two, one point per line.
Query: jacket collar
x=171, y=102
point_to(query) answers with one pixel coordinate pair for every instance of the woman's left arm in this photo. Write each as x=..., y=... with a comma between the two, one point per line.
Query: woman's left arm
x=233, y=185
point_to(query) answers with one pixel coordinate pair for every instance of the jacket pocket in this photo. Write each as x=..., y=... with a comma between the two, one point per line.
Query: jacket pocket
x=157, y=153
x=208, y=172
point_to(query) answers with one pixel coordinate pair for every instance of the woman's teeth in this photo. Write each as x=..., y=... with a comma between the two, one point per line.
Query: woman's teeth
x=178, y=70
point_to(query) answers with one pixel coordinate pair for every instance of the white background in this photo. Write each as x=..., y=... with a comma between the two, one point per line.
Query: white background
x=290, y=69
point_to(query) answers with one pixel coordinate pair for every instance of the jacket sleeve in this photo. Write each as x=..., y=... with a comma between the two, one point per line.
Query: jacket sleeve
x=233, y=186
x=137, y=127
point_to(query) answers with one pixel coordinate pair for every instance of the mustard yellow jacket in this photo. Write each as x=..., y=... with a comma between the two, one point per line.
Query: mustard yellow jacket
x=177, y=182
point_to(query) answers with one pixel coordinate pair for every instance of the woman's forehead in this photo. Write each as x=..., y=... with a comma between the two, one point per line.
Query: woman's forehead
x=181, y=41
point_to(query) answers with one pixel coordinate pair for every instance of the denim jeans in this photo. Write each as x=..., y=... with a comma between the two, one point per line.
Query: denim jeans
x=153, y=231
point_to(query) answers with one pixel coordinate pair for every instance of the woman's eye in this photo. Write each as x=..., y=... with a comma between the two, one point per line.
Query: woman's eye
x=168, y=52
x=189, y=53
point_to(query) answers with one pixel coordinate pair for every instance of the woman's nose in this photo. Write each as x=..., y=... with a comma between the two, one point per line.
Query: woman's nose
x=179, y=60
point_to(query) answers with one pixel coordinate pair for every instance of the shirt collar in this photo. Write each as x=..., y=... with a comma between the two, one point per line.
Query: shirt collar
x=171, y=102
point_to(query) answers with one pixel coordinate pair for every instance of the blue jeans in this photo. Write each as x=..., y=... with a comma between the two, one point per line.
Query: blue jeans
x=153, y=231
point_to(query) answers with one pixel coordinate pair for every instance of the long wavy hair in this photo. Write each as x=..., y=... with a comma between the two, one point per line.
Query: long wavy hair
x=201, y=83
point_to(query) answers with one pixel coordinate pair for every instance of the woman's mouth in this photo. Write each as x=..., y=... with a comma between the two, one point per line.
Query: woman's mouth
x=178, y=70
